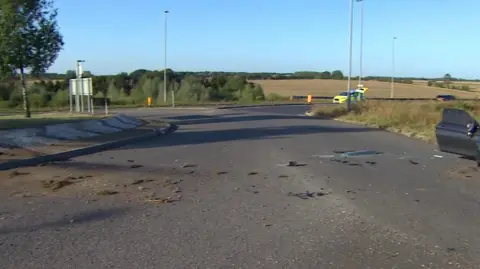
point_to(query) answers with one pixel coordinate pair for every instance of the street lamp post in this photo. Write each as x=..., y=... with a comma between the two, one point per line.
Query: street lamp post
x=361, y=43
x=78, y=96
x=350, y=56
x=165, y=63
x=393, y=67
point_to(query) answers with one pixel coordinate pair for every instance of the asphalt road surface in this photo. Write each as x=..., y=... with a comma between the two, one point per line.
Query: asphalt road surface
x=240, y=206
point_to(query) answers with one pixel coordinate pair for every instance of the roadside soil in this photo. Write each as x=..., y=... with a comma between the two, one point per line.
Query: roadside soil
x=126, y=181
x=61, y=146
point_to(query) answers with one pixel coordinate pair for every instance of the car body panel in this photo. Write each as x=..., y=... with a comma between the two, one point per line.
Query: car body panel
x=459, y=133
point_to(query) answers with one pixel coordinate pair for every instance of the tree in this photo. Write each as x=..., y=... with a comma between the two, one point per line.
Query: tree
x=87, y=74
x=112, y=92
x=29, y=39
x=325, y=75
x=337, y=74
x=447, y=78
x=70, y=74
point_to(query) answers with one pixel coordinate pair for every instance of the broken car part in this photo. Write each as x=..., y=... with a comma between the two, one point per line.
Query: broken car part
x=458, y=133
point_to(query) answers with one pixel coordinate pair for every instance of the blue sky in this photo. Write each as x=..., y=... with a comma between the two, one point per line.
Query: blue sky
x=434, y=36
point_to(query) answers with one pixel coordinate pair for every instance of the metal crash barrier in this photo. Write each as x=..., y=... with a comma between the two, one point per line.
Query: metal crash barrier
x=459, y=133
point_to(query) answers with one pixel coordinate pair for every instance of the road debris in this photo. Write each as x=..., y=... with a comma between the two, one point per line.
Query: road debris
x=106, y=192
x=344, y=162
x=295, y=163
x=136, y=166
x=56, y=184
x=357, y=153
x=222, y=173
x=307, y=195
x=466, y=172
x=413, y=162
x=292, y=164
x=169, y=181
x=341, y=156
x=351, y=194
x=188, y=165
x=16, y=173
x=323, y=156
x=138, y=181
x=165, y=200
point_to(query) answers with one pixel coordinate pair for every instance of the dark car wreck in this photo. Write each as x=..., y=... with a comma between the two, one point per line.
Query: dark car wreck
x=459, y=133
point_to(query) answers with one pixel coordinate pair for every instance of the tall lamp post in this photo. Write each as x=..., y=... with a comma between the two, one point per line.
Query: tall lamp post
x=393, y=67
x=361, y=42
x=165, y=59
x=78, y=94
x=350, y=56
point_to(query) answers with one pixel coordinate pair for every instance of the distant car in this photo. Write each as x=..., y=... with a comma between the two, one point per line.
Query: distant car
x=355, y=95
x=445, y=97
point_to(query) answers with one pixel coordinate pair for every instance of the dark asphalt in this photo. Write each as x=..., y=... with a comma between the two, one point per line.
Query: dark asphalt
x=404, y=208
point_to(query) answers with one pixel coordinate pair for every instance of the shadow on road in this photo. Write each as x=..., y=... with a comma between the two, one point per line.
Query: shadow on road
x=202, y=119
x=81, y=218
x=187, y=137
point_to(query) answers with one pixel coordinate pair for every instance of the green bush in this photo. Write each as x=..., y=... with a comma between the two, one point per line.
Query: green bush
x=39, y=100
x=60, y=99
x=16, y=98
x=276, y=97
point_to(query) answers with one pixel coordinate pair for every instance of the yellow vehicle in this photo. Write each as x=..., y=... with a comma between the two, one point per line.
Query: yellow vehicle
x=355, y=95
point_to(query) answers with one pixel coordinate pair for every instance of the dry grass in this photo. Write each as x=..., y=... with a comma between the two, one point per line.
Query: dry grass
x=327, y=87
x=415, y=119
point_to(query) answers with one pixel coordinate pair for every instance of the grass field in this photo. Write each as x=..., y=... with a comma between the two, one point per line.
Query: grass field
x=327, y=87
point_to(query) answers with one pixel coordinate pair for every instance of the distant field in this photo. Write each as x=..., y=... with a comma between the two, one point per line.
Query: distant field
x=327, y=87
x=474, y=86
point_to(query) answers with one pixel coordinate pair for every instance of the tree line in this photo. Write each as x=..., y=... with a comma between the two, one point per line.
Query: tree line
x=51, y=90
x=448, y=82
x=136, y=87
x=337, y=75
